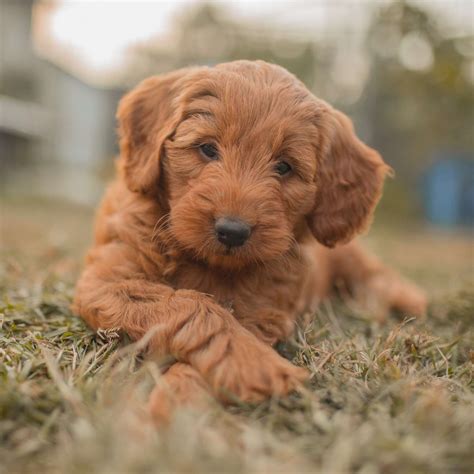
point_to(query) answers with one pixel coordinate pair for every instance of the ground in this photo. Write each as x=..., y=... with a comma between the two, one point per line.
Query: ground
x=393, y=398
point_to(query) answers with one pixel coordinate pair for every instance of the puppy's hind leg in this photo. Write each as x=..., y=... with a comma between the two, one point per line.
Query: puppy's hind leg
x=378, y=288
x=180, y=386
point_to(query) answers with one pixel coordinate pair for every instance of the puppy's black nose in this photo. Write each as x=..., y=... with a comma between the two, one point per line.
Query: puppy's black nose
x=231, y=232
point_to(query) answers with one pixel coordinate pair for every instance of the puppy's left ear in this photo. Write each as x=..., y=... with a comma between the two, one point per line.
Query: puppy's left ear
x=349, y=182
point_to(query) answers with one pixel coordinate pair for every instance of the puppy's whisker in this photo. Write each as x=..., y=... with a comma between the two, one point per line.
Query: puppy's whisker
x=159, y=225
x=160, y=220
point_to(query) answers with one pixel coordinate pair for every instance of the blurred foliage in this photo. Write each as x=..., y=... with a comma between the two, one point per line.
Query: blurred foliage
x=416, y=114
x=207, y=36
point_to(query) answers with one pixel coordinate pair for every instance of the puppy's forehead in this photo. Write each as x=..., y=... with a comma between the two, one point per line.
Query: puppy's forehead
x=245, y=95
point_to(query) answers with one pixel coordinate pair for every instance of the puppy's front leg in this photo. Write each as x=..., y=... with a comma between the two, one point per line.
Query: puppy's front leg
x=114, y=292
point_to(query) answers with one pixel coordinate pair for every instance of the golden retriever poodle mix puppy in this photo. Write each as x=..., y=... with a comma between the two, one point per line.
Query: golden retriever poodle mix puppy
x=237, y=197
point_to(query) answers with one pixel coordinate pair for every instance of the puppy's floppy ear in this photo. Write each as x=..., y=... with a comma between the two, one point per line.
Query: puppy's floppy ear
x=147, y=116
x=349, y=182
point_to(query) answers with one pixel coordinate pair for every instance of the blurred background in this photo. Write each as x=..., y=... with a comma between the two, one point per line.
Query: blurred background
x=403, y=70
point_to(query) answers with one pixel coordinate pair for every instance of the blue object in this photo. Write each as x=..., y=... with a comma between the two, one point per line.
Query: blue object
x=449, y=191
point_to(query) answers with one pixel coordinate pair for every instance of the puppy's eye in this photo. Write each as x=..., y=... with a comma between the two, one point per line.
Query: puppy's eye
x=282, y=168
x=209, y=151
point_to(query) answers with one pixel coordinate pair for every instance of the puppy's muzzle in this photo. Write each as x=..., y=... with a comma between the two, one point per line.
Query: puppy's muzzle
x=232, y=232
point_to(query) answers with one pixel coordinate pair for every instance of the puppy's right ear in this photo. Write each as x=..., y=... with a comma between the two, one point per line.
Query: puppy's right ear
x=147, y=116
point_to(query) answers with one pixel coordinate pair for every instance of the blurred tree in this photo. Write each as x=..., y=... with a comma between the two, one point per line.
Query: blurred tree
x=207, y=36
x=419, y=95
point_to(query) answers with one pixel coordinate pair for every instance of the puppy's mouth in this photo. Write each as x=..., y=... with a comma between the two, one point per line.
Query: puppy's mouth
x=230, y=258
x=227, y=251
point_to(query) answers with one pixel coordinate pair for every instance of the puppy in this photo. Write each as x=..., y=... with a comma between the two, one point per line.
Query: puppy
x=234, y=186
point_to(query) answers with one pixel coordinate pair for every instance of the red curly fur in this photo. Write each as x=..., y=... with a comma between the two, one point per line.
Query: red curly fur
x=156, y=262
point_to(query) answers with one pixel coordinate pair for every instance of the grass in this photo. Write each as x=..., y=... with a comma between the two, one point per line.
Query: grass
x=389, y=399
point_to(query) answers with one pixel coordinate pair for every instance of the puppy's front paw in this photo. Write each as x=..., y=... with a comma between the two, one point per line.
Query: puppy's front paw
x=253, y=372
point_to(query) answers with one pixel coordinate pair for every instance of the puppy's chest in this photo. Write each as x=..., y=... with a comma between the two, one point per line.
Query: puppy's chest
x=244, y=295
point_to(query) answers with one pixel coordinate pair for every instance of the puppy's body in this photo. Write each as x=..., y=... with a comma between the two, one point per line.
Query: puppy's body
x=234, y=184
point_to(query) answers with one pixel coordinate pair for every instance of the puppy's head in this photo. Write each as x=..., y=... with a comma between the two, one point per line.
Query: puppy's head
x=246, y=158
